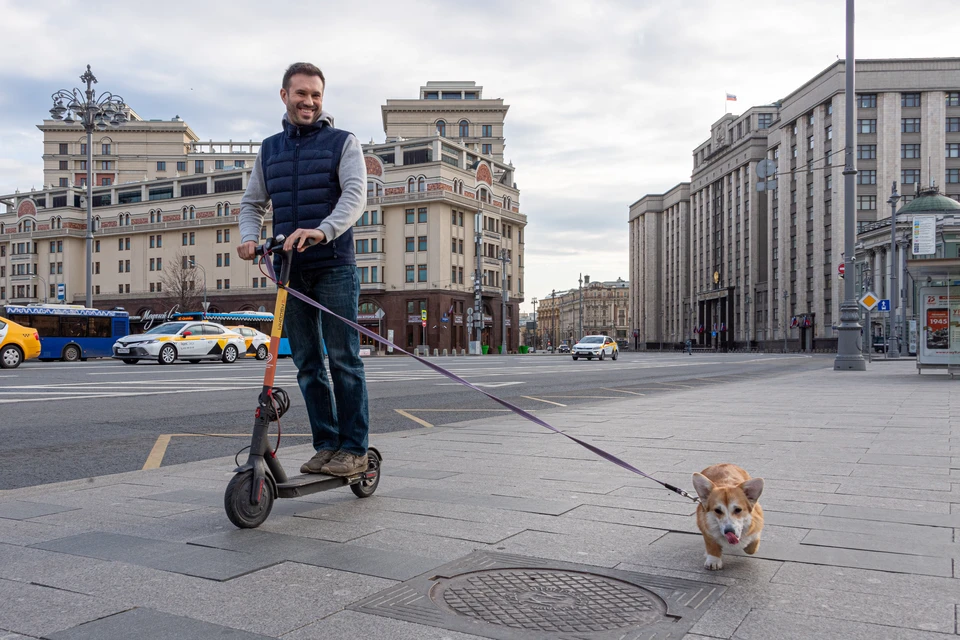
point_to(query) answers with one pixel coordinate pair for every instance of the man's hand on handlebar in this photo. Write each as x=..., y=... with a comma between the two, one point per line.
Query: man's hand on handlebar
x=303, y=238
x=247, y=250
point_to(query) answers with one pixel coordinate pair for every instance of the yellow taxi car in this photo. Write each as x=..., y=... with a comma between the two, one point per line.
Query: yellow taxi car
x=190, y=340
x=258, y=343
x=17, y=343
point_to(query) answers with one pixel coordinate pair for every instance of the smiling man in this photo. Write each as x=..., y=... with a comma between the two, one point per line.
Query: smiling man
x=314, y=176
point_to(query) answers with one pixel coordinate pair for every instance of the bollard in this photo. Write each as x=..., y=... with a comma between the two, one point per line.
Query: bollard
x=444, y=353
x=436, y=353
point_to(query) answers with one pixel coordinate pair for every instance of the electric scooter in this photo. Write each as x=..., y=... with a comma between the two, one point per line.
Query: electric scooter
x=250, y=494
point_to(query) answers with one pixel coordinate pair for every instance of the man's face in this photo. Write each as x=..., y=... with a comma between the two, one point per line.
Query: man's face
x=304, y=99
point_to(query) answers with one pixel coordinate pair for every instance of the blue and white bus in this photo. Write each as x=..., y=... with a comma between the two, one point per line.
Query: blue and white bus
x=262, y=321
x=71, y=332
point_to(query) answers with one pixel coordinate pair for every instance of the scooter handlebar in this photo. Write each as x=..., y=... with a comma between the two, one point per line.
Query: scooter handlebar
x=275, y=245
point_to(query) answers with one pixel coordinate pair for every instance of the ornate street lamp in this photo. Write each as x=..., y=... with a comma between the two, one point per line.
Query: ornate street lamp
x=92, y=113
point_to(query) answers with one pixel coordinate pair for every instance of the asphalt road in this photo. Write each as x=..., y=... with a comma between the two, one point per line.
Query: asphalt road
x=63, y=421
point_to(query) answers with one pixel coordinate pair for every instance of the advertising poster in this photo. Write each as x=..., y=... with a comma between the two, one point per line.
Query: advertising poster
x=938, y=328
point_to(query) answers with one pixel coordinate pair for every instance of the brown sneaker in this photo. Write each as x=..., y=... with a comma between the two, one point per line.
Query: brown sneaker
x=314, y=464
x=345, y=464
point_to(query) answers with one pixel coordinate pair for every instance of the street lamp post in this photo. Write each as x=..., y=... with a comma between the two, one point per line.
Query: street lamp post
x=535, y=336
x=746, y=317
x=91, y=112
x=894, y=293
x=204, y=272
x=786, y=295
x=504, y=294
x=580, y=306
x=867, y=342
x=45, y=287
x=849, y=357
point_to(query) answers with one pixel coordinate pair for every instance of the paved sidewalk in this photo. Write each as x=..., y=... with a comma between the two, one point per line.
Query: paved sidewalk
x=496, y=528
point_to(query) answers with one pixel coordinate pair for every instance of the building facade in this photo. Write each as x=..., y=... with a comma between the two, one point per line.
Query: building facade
x=764, y=264
x=603, y=308
x=438, y=211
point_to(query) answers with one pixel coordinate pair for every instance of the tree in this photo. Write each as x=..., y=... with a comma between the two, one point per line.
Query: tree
x=179, y=280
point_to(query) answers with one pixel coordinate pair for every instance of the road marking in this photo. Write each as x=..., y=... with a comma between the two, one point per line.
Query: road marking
x=674, y=384
x=452, y=411
x=163, y=441
x=489, y=385
x=623, y=391
x=547, y=401
x=589, y=397
x=422, y=423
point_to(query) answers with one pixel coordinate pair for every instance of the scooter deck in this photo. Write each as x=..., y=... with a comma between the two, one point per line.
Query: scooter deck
x=308, y=483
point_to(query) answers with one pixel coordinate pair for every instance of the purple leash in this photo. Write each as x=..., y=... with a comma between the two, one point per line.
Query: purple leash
x=517, y=410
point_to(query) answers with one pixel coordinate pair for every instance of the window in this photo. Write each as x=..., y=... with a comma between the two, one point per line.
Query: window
x=226, y=235
x=867, y=176
x=409, y=276
x=464, y=129
x=953, y=176
x=219, y=259
x=410, y=244
x=793, y=151
x=219, y=236
x=184, y=243
x=226, y=283
x=909, y=99
x=182, y=165
x=953, y=99
x=828, y=132
x=83, y=148
x=867, y=100
x=153, y=264
x=828, y=182
x=829, y=108
x=219, y=284
x=953, y=125
x=809, y=142
x=159, y=264
x=105, y=148
x=866, y=203
x=421, y=184
x=105, y=182
x=867, y=126
x=486, y=149
x=421, y=273
x=909, y=125
x=764, y=120
x=64, y=182
x=192, y=237
x=218, y=164
x=910, y=151
x=487, y=131
x=63, y=149
x=422, y=214
x=866, y=152
x=96, y=246
x=910, y=176
x=442, y=128
x=953, y=149
x=198, y=166
x=83, y=165
x=64, y=165
x=106, y=165
x=422, y=243
x=374, y=274
x=239, y=164
x=161, y=165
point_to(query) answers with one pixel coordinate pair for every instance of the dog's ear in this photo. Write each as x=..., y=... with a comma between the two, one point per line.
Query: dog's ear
x=752, y=489
x=702, y=485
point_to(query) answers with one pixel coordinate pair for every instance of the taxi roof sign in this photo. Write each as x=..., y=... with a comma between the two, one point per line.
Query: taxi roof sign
x=869, y=300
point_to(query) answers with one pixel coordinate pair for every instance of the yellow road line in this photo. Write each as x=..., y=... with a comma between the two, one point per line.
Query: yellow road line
x=156, y=454
x=405, y=414
x=542, y=400
x=623, y=391
x=163, y=441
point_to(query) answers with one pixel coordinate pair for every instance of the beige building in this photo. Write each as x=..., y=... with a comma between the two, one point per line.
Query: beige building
x=605, y=309
x=763, y=264
x=430, y=199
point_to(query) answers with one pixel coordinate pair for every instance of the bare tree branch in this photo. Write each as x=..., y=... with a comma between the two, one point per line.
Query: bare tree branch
x=180, y=283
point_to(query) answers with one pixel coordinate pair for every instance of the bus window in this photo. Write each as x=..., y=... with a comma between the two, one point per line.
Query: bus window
x=73, y=327
x=100, y=328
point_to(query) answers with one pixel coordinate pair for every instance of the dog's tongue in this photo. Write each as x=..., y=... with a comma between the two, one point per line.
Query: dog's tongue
x=732, y=537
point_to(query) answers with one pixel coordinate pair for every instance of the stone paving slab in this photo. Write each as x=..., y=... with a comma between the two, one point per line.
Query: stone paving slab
x=152, y=625
x=860, y=504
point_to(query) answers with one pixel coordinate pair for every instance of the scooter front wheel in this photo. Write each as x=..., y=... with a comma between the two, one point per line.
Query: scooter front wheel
x=240, y=509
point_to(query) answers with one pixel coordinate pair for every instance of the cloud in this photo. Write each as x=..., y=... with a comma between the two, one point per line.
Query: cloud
x=607, y=98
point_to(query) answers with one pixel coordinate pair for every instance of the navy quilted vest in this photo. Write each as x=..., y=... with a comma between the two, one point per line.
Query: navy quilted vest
x=300, y=171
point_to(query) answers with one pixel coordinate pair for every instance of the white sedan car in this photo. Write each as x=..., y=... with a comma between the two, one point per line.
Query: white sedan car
x=257, y=343
x=598, y=347
x=189, y=340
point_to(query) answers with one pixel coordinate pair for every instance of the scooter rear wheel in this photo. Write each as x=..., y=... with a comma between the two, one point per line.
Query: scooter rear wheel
x=236, y=501
x=365, y=488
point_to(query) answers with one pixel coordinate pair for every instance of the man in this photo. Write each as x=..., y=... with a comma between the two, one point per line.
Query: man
x=314, y=176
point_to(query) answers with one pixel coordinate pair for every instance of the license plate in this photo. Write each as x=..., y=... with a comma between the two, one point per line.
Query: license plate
x=123, y=350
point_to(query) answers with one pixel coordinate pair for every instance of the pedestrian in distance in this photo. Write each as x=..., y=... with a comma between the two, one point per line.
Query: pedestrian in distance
x=315, y=178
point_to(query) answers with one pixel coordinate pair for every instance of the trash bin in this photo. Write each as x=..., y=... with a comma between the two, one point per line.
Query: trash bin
x=486, y=349
x=523, y=348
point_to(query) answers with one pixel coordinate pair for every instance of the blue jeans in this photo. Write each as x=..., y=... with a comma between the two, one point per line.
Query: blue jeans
x=339, y=417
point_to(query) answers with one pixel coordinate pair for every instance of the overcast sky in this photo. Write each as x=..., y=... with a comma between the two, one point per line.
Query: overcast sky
x=607, y=98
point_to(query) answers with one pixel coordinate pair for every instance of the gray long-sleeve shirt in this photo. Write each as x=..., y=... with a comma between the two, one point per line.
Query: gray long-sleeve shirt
x=353, y=184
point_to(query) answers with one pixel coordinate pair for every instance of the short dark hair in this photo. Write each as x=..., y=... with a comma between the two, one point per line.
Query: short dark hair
x=303, y=68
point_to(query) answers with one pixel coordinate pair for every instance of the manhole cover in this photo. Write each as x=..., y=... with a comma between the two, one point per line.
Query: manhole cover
x=549, y=601
x=514, y=597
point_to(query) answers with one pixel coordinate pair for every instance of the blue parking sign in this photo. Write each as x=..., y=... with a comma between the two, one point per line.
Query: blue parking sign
x=884, y=305
x=61, y=291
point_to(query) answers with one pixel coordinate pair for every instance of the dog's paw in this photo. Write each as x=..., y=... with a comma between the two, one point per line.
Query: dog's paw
x=713, y=563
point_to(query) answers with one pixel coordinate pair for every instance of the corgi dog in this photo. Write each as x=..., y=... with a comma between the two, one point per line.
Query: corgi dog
x=728, y=514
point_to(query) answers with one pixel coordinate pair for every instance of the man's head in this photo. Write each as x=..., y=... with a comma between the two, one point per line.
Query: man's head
x=302, y=93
